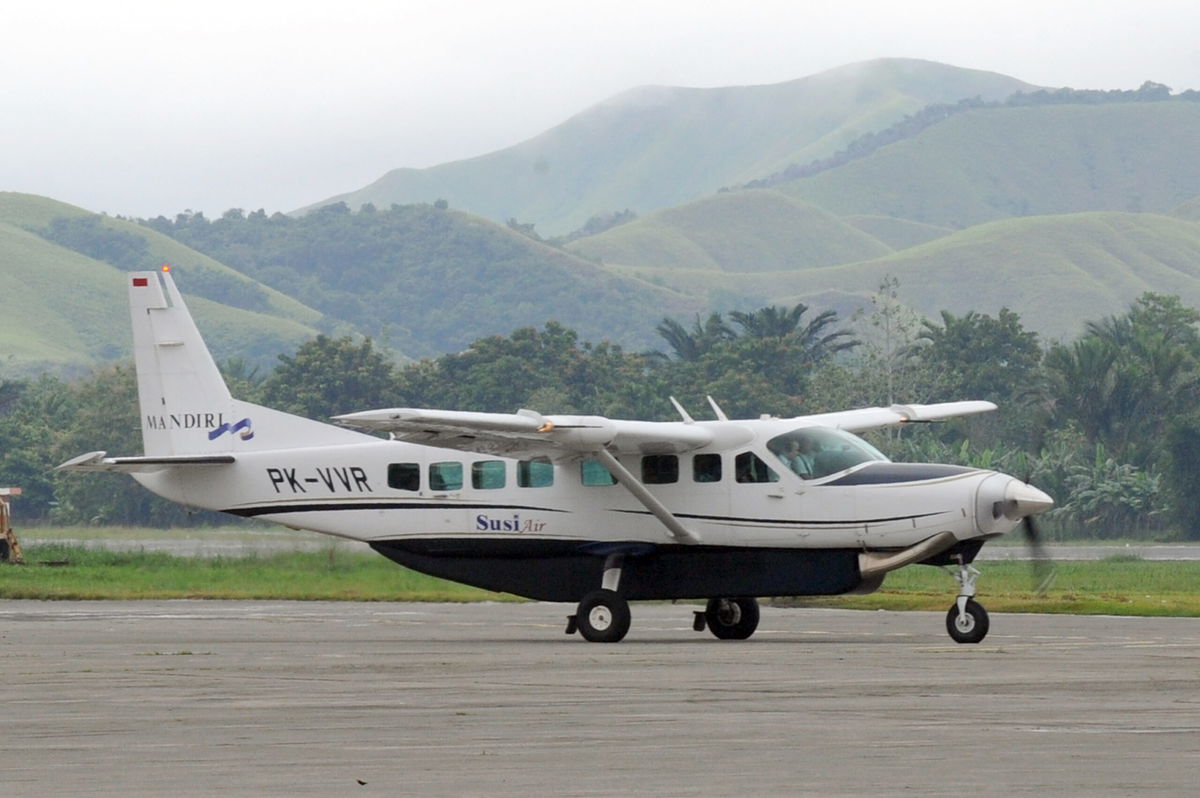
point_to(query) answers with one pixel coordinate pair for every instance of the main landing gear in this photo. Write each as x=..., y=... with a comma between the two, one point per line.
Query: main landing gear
x=603, y=615
x=728, y=618
x=967, y=620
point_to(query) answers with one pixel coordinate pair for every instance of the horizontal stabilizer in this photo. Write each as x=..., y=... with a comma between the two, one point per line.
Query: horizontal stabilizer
x=99, y=461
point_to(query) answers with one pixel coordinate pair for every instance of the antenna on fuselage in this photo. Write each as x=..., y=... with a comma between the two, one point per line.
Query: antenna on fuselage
x=679, y=408
x=717, y=409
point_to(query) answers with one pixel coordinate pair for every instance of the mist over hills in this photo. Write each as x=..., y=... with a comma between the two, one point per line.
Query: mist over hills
x=658, y=146
x=1063, y=211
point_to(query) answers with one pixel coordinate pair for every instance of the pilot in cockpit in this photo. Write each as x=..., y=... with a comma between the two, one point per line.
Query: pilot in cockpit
x=815, y=452
x=798, y=454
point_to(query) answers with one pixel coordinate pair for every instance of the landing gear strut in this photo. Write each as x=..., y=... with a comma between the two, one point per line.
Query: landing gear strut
x=967, y=620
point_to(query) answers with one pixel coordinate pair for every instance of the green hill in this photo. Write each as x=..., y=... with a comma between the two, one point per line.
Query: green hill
x=1055, y=271
x=656, y=147
x=430, y=280
x=737, y=231
x=63, y=311
x=1002, y=162
x=896, y=233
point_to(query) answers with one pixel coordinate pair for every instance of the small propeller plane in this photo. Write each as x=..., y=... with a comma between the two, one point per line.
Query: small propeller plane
x=573, y=508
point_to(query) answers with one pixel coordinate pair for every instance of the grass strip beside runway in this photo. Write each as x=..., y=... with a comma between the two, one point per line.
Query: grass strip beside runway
x=1117, y=586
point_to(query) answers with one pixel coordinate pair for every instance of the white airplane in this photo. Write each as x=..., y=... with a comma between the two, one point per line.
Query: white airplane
x=573, y=508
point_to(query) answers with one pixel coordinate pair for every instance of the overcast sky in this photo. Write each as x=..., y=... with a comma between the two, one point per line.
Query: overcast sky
x=152, y=107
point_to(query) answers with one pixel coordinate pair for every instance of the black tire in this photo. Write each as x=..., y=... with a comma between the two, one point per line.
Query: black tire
x=732, y=618
x=602, y=617
x=972, y=627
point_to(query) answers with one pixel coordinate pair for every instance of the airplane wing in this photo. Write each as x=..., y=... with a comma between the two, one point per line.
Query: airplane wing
x=873, y=417
x=529, y=434
x=99, y=461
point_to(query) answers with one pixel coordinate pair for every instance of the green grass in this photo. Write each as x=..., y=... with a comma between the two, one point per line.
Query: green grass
x=58, y=571
x=1120, y=585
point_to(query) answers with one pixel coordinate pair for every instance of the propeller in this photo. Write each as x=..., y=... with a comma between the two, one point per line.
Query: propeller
x=1022, y=501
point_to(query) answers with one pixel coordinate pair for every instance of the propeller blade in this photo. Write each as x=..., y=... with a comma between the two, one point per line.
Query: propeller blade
x=1043, y=566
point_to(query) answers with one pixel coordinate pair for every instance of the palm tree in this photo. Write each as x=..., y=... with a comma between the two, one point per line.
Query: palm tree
x=691, y=345
x=780, y=322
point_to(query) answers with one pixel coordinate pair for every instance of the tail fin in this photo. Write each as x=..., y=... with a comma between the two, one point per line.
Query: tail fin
x=180, y=390
x=186, y=407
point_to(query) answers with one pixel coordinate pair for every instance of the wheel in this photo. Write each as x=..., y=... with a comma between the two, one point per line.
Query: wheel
x=732, y=618
x=602, y=617
x=971, y=626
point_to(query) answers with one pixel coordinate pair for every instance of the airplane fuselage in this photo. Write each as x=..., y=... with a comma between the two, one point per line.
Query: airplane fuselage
x=488, y=521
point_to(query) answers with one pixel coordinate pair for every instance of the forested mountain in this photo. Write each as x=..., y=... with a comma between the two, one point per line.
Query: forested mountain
x=978, y=201
x=659, y=146
x=427, y=279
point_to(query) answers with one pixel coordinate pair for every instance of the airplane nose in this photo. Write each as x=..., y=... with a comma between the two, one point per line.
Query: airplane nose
x=1021, y=500
x=1002, y=499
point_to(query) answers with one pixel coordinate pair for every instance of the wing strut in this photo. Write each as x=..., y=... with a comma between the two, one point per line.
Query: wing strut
x=648, y=500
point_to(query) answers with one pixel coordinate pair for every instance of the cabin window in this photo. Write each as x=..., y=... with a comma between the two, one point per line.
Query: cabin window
x=706, y=468
x=445, y=476
x=660, y=469
x=749, y=467
x=593, y=473
x=537, y=473
x=404, y=476
x=487, y=475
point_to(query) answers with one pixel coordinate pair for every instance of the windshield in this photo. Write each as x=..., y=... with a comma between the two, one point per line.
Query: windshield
x=815, y=452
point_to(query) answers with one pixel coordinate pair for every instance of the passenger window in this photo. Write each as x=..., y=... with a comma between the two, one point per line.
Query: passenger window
x=487, y=475
x=748, y=467
x=537, y=473
x=404, y=476
x=593, y=473
x=660, y=469
x=706, y=468
x=445, y=476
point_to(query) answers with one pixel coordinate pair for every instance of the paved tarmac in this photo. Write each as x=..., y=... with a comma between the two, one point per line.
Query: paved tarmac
x=190, y=698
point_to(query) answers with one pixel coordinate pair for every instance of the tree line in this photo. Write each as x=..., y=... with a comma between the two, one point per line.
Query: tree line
x=1108, y=424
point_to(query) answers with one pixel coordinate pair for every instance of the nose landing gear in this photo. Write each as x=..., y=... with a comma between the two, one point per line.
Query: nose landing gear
x=967, y=620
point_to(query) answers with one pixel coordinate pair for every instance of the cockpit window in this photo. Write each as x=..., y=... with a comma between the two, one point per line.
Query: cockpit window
x=815, y=452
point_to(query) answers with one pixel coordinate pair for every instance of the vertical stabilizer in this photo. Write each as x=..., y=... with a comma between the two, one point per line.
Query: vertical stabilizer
x=186, y=407
x=180, y=390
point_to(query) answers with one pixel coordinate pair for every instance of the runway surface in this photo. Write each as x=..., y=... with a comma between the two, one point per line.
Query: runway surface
x=250, y=698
